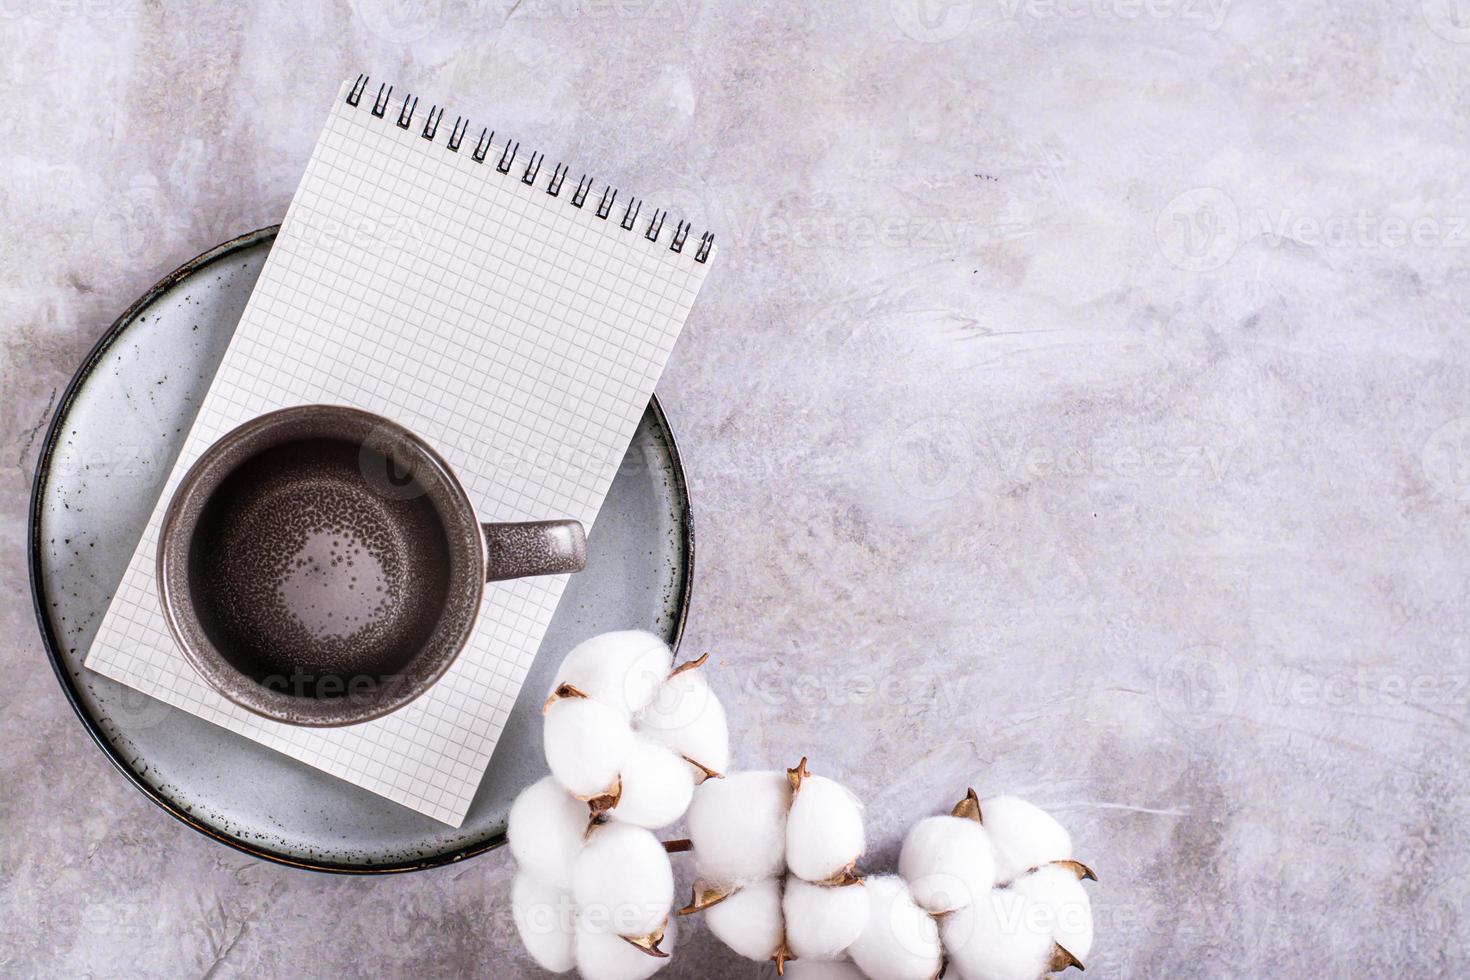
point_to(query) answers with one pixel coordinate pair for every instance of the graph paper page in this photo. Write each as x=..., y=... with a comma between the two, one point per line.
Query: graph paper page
x=520, y=335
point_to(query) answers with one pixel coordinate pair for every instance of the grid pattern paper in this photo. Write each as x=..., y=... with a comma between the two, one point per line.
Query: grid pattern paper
x=521, y=336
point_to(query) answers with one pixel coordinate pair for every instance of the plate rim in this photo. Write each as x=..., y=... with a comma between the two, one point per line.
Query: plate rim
x=49, y=639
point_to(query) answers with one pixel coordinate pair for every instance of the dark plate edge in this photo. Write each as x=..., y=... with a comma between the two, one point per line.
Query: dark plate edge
x=68, y=684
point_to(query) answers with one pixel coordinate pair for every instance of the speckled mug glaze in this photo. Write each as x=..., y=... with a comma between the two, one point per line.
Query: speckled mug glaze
x=322, y=566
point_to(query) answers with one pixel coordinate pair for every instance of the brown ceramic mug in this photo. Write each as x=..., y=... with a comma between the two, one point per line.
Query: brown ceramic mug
x=322, y=566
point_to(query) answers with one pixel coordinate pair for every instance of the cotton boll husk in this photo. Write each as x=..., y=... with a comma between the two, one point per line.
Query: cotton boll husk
x=749, y=921
x=1069, y=910
x=822, y=970
x=657, y=786
x=948, y=862
x=738, y=827
x=546, y=919
x=621, y=669
x=822, y=920
x=687, y=717
x=547, y=828
x=824, y=831
x=605, y=956
x=1025, y=836
x=899, y=941
x=997, y=938
x=622, y=881
x=586, y=743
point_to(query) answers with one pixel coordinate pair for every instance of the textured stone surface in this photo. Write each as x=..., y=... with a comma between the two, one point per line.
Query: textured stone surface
x=1080, y=408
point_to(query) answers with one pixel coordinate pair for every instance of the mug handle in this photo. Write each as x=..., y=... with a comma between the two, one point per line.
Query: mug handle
x=534, y=548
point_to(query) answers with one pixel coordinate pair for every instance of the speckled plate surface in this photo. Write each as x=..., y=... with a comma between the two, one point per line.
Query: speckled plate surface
x=111, y=443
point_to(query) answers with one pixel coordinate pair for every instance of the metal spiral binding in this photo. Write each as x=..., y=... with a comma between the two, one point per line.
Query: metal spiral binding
x=529, y=176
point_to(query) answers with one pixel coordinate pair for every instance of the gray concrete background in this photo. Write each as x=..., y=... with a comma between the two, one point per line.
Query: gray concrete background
x=1080, y=408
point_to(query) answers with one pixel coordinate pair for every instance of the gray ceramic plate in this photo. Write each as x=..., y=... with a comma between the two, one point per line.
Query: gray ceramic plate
x=110, y=446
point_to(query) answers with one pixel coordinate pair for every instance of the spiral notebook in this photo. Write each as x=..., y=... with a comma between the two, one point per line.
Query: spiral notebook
x=514, y=315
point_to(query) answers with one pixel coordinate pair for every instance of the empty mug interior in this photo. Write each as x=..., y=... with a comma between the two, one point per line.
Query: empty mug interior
x=332, y=567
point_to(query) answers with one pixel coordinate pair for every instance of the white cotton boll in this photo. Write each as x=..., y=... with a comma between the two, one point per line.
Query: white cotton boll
x=547, y=828
x=622, y=881
x=822, y=970
x=749, y=921
x=687, y=717
x=948, y=862
x=546, y=919
x=621, y=669
x=738, y=827
x=997, y=938
x=657, y=786
x=1068, y=909
x=822, y=920
x=1025, y=836
x=900, y=941
x=824, y=831
x=586, y=743
x=606, y=956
